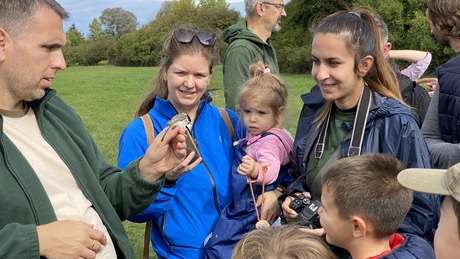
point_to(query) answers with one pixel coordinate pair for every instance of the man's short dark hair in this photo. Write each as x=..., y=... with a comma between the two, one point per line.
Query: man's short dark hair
x=17, y=15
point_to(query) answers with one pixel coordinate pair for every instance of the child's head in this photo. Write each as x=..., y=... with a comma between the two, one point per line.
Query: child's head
x=442, y=182
x=355, y=55
x=265, y=95
x=361, y=197
x=281, y=242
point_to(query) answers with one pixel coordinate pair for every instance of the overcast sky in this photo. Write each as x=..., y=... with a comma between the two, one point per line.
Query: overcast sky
x=82, y=12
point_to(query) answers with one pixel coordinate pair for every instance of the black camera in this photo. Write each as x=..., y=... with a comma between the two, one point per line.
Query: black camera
x=307, y=211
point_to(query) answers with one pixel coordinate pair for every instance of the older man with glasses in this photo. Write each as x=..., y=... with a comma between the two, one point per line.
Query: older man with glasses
x=249, y=43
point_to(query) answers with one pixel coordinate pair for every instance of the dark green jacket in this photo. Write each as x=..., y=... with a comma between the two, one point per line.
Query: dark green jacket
x=24, y=204
x=245, y=48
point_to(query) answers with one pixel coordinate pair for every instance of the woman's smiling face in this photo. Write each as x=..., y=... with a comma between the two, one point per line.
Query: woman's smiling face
x=334, y=70
x=188, y=78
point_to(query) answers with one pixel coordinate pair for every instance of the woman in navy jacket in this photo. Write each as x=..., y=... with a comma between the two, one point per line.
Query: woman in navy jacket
x=347, y=59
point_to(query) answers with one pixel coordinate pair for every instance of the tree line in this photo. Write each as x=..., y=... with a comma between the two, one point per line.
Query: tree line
x=114, y=39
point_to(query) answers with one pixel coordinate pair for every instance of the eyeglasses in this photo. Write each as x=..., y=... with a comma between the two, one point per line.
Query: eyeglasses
x=186, y=36
x=278, y=6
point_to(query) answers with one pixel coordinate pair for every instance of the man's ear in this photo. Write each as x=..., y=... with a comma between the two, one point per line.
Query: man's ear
x=3, y=38
x=359, y=226
x=386, y=49
x=260, y=9
x=364, y=65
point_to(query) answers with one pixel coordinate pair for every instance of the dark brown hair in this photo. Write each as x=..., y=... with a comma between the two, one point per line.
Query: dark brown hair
x=361, y=35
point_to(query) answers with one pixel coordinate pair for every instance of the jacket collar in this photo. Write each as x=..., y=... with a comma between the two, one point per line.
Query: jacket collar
x=381, y=106
x=165, y=108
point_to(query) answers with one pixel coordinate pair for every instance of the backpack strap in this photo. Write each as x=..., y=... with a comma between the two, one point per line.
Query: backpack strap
x=149, y=131
x=228, y=122
x=148, y=125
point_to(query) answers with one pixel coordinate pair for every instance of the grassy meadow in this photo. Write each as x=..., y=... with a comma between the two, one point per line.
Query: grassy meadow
x=106, y=97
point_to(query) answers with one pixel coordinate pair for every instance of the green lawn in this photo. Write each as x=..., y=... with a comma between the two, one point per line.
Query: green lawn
x=107, y=96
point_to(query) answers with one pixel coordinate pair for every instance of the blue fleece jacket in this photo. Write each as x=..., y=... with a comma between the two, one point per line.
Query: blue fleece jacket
x=184, y=215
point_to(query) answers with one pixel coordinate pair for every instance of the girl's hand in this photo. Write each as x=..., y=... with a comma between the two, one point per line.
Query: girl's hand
x=248, y=167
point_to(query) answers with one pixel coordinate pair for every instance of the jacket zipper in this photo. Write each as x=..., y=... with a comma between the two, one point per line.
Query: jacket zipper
x=163, y=223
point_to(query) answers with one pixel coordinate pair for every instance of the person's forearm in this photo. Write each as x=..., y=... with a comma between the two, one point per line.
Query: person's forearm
x=412, y=56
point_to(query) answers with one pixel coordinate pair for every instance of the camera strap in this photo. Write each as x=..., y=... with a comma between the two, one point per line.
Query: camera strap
x=357, y=135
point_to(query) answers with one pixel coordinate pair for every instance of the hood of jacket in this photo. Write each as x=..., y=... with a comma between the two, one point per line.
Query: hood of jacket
x=283, y=134
x=239, y=31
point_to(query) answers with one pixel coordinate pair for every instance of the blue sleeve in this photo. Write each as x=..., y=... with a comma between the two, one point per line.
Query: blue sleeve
x=413, y=150
x=423, y=216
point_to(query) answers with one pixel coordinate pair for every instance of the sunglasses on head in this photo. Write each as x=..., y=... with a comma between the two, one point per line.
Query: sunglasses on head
x=186, y=36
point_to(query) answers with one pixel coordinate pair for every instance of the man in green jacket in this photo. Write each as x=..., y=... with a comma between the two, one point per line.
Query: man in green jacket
x=249, y=43
x=59, y=198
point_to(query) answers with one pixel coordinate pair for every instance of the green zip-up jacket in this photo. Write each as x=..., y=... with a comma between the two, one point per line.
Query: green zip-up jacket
x=115, y=194
x=246, y=48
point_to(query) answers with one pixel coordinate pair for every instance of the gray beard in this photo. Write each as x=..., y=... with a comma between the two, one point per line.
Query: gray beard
x=276, y=28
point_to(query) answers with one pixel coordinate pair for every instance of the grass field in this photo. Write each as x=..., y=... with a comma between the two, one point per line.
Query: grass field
x=107, y=96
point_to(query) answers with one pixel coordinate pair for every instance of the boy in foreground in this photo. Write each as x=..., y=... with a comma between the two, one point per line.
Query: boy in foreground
x=363, y=205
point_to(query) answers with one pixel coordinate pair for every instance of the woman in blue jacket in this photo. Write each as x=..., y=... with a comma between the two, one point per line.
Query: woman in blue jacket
x=187, y=207
x=357, y=91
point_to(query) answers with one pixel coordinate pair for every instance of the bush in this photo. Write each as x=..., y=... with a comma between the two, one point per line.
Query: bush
x=89, y=53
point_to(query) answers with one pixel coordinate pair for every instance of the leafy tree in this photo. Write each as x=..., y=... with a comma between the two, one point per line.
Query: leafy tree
x=214, y=4
x=118, y=22
x=73, y=36
x=144, y=47
x=408, y=28
x=96, y=32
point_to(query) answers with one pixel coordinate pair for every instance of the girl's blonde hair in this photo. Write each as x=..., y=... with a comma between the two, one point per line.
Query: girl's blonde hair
x=265, y=87
x=281, y=242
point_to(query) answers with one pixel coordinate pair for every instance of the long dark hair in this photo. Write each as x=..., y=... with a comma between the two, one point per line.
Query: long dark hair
x=361, y=35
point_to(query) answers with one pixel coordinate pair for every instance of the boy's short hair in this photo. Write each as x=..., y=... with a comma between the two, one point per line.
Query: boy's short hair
x=367, y=185
x=435, y=181
x=281, y=242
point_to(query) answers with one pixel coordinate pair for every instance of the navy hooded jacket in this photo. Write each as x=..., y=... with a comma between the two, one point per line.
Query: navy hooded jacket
x=391, y=129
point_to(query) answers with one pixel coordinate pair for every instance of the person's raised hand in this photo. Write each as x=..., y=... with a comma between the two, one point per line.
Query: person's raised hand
x=430, y=83
x=69, y=239
x=183, y=167
x=248, y=167
x=166, y=152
